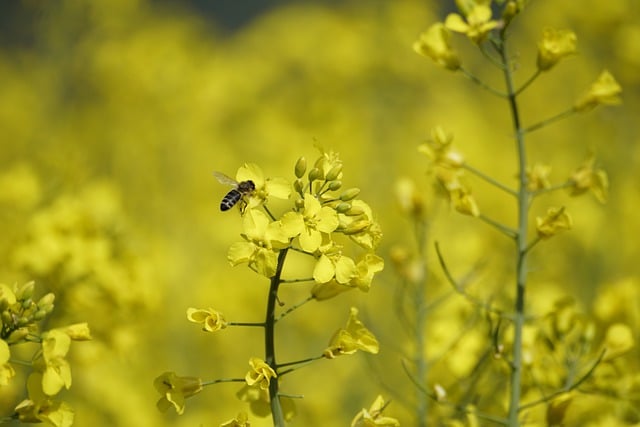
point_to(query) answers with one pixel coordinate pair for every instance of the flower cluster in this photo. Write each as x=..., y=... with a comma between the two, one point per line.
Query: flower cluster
x=322, y=211
x=20, y=315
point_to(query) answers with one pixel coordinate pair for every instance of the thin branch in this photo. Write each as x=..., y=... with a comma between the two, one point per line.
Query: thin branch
x=459, y=288
x=490, y=180
x=526, y=84
x=510, y=232
x=482, y=84
x=548, y=121
x=260, y=324
x=293, y=308
x=566, y=389
x=223, y=380
x=556, y=187
x=458, y=407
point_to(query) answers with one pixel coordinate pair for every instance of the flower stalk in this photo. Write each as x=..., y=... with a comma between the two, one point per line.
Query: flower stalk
x=269, y=340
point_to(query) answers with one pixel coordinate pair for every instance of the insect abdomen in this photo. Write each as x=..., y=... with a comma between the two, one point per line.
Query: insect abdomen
x=230, y=200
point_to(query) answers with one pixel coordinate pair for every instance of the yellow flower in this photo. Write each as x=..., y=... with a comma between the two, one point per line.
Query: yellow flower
x=263, y=239
x=57, y=373
x=605, y=90
x=358, y=223
x=242, y=420
x=317, y=220
x=618, y=340
x=555, y=45
x=478, y=23
x=210, y=319
x=410, y=199
x=554, y=222
x=464, y=202
x=373, y=417
x=265, y=188
x=538, y=177
x=174, y=390
x=332, y=264
x=40, y=408
x=434, y=44
x=260, y=373
x=438, y=149
x=77, y=331
x=6, y=370
x=352, y=338
x=586, y=177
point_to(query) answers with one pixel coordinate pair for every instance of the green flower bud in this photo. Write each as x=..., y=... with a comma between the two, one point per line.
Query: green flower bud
x=301, y=167
x=17, y=335
x=26, y=291
x=7, y=319
x=356, y=227
x=300, y=204
x=298, y=185
x=315, y=174
x=334, y=173
x=343, y=207
x=40, y=314
x=349, y=194
x=46, y=300
x=335, y=185
x=355, y=211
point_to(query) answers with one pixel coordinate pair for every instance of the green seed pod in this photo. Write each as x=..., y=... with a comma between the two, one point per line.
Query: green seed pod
x=335, y=185
x=343, y=207
x=301, y=167
x=315, y=174
x=349, y=194
x=334, y=173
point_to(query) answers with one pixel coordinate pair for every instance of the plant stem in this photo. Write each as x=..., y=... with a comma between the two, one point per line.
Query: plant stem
x=520, y=240
x=269, y=341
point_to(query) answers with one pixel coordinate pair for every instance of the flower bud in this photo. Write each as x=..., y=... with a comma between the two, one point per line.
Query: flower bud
x=355, y=211
x=46, y=300
x=17, y=335
x=301, y=167
x=315, y=174
x=299, y=203
x=26, y=291
x=298, y=185
x=335, y=185
x=349, y=194
x=334, y=173
x=343, y=207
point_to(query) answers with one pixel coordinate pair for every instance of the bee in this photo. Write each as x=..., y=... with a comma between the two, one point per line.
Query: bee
x=239, y=191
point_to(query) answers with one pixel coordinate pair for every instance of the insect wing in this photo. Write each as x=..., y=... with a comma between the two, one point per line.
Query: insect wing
x=224, y=179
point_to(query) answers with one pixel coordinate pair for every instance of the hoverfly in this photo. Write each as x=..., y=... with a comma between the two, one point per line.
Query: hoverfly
x=240, y=189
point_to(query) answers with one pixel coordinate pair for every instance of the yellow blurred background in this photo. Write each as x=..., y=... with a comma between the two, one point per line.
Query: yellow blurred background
x=114, y=113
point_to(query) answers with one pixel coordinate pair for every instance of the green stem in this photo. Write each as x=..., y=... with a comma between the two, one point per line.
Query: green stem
x=482, y=84
x=269, y=341
x=521, y=244
x=526, y=84
x=490, y=180
x=548, y=121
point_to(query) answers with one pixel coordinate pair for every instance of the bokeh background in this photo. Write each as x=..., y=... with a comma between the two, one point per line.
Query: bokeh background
x=114, y=113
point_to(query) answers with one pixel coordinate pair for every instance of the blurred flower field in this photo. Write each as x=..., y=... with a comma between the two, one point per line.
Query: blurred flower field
x=115, y=114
